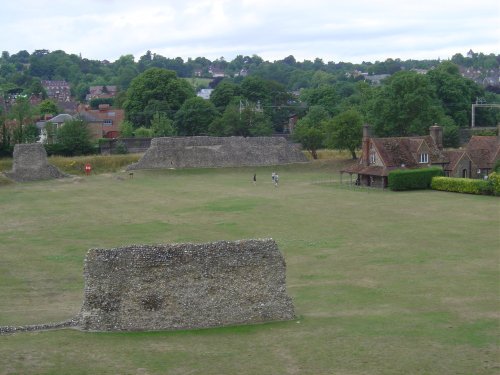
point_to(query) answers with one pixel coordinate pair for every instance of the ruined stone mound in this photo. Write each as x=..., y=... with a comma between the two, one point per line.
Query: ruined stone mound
x=30, y=164
x=210, y=152
x=182, y=286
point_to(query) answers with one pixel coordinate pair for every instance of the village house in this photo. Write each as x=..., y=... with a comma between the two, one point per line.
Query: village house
x=60, y=92
x=484, y=152
x=101, y=92
x=46, y=135
x=103, y=122
x=459, y=164
x=57, y=90
x=380, y=156
x=216, y=72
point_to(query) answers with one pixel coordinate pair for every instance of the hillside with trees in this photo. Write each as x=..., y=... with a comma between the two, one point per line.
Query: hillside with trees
x=253, y=97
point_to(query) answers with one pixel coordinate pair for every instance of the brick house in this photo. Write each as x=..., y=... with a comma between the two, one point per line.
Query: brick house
x=484, y=152
x=382, y=155
x=379, y=156
x=477, y=160
x=216, y=72
x=104, y=122
x=101, y=92
x=459, y=164
x=57, y=90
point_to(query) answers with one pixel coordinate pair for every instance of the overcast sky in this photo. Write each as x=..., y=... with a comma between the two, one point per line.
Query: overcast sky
x=347, y=30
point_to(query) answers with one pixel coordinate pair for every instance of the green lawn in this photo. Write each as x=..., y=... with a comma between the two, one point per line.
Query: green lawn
x=383, y=282
x=196, y=81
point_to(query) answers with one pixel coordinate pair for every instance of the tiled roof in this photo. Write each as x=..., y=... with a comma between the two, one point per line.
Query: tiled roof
x=88, y=117
x=454, y=157
x=396, y=152
x=484, y=150
x=63, y=117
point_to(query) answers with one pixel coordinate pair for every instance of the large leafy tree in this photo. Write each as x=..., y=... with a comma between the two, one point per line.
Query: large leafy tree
x=324, y=95
x=74, y=138
x=241, y=121
x=22, y=113
x=344, y=131
x=162, y=126
x=48, y=107
x=310, y=130
x=194, y=117
x=223, y=126
x=155, y=90
x=455, y=92
x=405, y=105
x=253, y=122
x=224, y=93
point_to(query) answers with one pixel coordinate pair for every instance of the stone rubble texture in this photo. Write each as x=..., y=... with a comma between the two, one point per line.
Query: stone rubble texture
x=210, y=152
x=184, y=286
x=30, y=164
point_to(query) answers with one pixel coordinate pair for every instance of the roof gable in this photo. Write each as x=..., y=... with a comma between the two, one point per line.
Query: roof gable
x=484, y=150
x=399, y=151
x=454, y=157
x=394, y=152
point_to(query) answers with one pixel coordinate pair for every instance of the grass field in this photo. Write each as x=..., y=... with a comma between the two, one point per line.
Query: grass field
x=383, y=282
x=196, y=81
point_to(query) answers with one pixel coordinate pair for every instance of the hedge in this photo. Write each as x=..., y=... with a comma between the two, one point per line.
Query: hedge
x=410, y=179
x=462, y=185
x=494, y=180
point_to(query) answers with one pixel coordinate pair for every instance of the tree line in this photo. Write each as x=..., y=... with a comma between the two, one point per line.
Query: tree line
x=331, y=100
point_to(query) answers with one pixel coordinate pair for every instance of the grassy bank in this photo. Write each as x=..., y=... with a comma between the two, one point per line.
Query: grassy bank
x=383, y=282
x=75, y=165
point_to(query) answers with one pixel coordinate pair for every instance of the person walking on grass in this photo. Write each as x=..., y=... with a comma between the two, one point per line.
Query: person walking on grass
x=276, y=179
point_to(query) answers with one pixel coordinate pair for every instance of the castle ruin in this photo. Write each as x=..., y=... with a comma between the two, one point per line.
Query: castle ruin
x=30, y=164
x=184, y=286
x=211, y=152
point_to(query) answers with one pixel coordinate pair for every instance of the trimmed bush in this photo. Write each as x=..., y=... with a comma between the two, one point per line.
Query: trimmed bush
x=494, y=180
x=412, y=179
x=462, y=185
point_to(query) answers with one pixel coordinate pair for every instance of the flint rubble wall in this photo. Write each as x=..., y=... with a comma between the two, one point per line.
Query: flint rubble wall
x=184, y=286
x=211, y=152
x=30, y=164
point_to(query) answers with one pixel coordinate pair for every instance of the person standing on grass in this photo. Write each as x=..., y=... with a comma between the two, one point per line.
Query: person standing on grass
x=272, y=176
x=276, y=179
x=254, y=178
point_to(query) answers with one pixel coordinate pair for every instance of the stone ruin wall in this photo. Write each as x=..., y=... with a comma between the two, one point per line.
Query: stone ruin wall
x=210, y=152
x=30, y=164
x=184, y=286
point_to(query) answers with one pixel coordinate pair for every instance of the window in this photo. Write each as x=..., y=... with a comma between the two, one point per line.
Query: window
x=372, y=158
x=424, y=158
x=108, y=122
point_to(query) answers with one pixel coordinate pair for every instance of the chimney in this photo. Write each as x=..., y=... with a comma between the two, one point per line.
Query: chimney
x=103, y=107
x=365, y=147
x=436, y=133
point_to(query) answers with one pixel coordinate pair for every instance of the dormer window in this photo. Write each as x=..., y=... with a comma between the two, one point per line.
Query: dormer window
x=424, y=158
x=372, y=158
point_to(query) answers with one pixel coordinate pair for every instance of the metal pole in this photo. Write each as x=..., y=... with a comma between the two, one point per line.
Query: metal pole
x=473, y=121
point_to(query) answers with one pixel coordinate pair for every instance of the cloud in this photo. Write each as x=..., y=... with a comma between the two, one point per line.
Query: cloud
x=354, y=30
